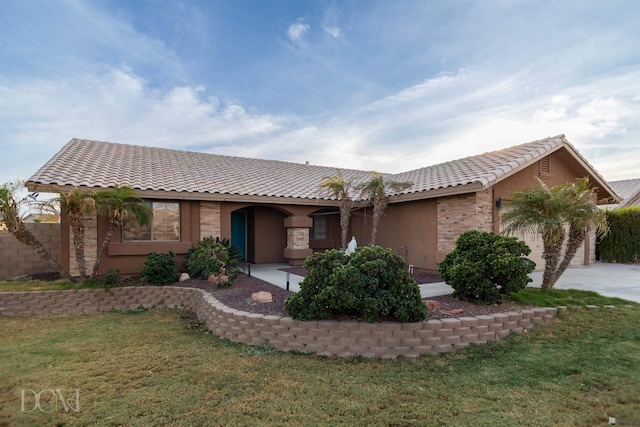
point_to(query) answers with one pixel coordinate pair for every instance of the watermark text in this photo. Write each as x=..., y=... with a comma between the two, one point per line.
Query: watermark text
x=48, y=400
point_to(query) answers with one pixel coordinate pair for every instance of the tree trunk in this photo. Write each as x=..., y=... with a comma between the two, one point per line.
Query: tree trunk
x=76, y=221
x=103, y=247
x=551, y=254
x=345, y=214
x=576, y=237
x=23, y=235
x=378, y=210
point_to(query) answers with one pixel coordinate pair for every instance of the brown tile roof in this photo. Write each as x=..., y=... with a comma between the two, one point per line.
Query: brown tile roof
x=484, y=169
x=95, y=164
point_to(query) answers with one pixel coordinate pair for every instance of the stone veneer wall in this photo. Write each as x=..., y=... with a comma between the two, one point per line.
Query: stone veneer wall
x=209, y=219
x=17, y=259
x=456, y=214
x=325, y=337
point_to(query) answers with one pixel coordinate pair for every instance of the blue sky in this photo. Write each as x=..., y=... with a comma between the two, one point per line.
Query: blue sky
x=374, y=85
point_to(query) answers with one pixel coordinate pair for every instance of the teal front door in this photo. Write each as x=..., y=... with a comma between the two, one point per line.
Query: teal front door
x=239, y=231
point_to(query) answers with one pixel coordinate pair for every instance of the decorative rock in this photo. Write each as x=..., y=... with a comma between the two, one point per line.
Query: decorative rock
x=184, y=277
x=433, y=304
x=218, y=279
x=212, y=278
x=262, y=296
x=451, y=312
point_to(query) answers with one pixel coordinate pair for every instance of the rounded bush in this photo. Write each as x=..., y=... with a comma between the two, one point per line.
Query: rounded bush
x=160, y=269
x=485, y=266
x=370, y=284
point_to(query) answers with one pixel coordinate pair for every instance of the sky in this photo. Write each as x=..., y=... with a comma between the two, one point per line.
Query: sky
x=379, y=85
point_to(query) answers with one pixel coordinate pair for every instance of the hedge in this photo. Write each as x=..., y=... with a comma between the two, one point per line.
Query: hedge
x=622, y=244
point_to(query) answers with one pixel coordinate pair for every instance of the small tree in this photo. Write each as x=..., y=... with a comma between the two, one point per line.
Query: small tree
x=11, y=219
x=485, y=266
x=119, y=204
x=340, y=189
x=562, y=215
x=376, y=191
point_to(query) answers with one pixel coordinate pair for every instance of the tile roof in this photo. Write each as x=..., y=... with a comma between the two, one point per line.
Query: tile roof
x=629, y=192
x=96, y=164
x=484, y=169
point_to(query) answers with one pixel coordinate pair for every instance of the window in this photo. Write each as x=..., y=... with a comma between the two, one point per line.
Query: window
x=164, y=226
x=319, y=230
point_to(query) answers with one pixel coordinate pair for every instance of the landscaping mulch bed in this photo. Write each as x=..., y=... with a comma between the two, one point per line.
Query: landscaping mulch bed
x=239, y=297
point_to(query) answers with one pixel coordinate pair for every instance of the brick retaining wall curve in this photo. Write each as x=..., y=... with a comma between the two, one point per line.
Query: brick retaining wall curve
x=348, y=338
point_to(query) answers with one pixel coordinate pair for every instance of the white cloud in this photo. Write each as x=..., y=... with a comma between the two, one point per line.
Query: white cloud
x=119, y=106
x=297, y=31
x=334, y=32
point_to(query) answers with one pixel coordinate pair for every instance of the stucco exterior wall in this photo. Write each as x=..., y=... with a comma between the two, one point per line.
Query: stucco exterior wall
x=410, y=229
x=269, y=235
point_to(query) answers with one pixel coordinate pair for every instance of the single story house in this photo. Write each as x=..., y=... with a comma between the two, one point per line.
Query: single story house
x=275, y=211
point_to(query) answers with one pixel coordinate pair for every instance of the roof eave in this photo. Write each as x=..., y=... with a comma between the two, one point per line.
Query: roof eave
x=438, y=192
x=184, y=195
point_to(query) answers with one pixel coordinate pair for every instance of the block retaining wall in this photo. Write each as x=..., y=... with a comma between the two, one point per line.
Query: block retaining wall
x=386, y=340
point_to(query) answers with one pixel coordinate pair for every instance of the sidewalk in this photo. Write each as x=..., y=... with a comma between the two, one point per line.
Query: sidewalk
x=611, y=280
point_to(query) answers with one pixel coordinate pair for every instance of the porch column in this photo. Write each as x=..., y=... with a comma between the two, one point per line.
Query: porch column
x=297, y=249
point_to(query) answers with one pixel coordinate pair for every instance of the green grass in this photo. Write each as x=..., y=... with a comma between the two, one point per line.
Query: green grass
x=56, y=285
x=35, y=285
x=565, y=297
x=149, y=368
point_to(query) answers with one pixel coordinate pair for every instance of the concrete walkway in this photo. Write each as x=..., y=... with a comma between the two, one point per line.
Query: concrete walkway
x=611, y=280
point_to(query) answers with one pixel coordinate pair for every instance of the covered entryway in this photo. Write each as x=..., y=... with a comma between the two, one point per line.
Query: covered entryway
x=260, y=234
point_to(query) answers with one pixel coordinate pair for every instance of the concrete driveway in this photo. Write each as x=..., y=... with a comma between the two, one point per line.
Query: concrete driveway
x=611, y=280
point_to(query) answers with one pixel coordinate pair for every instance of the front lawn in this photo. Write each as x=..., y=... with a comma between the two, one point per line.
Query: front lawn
x=146, y=368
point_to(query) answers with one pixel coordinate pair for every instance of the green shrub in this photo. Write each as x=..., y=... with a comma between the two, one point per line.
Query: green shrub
x=622, y=244
x=371, y=284
x=160, y=269
x=111, y=278
x=485, y=266
x=213, y=256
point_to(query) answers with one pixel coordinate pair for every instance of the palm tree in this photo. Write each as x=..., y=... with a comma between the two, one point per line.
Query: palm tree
x=340, y=189
x=582, y=215
x=376, y=191
x=550, y=211
x=76, y=204
x=11, y=219
x=119, y=204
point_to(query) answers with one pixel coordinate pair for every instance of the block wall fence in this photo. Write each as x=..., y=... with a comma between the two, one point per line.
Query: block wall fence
x=387, y=340
x=17, y=259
